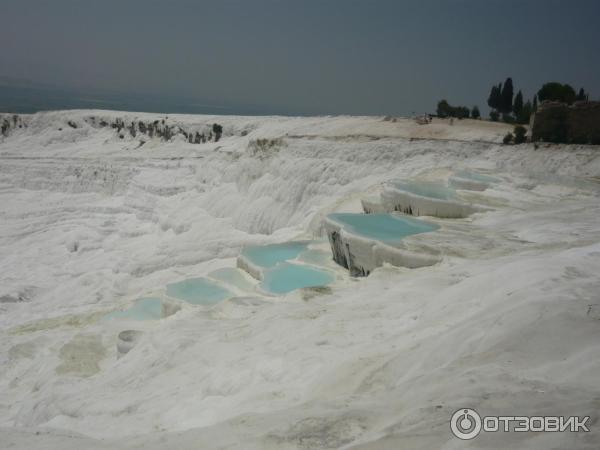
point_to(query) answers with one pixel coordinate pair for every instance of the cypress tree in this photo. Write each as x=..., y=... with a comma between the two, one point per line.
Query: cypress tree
x=499, y=93
x=582, y=95
x=493, y=98
x=518, y=104
x=506, y=98
x=535, y=105
x=525, y=113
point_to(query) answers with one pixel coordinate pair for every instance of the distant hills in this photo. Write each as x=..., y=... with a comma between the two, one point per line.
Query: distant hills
x=23, y=96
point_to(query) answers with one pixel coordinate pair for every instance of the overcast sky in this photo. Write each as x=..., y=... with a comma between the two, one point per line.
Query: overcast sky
x=309, y=56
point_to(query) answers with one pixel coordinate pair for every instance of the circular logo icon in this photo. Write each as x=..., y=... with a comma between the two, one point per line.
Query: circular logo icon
x=465, y=424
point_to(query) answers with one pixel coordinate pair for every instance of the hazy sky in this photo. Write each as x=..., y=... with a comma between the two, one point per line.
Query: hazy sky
x=305, y=56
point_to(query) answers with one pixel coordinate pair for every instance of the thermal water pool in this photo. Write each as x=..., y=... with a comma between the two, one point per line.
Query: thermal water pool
x=286, y=277
x=272, y=264
x=471, y=181
x=362, y=242
x=422, y=198
x=271, y=254
x=430, y=189
x=147, y=308
x=382, y=227
x=198, y=291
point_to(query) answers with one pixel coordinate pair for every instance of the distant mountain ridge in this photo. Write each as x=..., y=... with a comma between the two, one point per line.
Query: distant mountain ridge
x=24, y=96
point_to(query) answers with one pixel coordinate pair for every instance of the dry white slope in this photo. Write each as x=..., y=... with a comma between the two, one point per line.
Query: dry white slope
x=508, y=323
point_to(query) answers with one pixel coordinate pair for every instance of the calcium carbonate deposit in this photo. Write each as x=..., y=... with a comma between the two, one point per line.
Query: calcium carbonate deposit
x=106, y=342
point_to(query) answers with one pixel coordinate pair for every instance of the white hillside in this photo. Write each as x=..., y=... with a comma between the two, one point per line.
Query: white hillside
x=508, y=322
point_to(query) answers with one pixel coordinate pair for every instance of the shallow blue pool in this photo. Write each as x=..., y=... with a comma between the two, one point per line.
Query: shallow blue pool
x=270, y=255
x=198, y=291
x=286, y=277
x=148, y=308
x=382, y=227
x=429, y=189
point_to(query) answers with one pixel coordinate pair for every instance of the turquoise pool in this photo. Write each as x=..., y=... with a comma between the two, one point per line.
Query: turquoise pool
x=429, y=189
x=382, y=227
x=198, y=291
x=270, y=255
x=148, y=308
x=286, y=277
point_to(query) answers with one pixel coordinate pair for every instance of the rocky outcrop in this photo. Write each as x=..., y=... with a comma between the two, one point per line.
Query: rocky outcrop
x=560, y=123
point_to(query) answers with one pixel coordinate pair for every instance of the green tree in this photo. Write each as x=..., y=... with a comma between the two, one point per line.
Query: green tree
x=557, y=92
x=494, y=115
x=443, y=109
x=518, y=104
x=525, y=113
x=581, y=96
x=506, y=98
x=494, y=98
x=535, y=103
x=475, y=114
x=461, y=112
